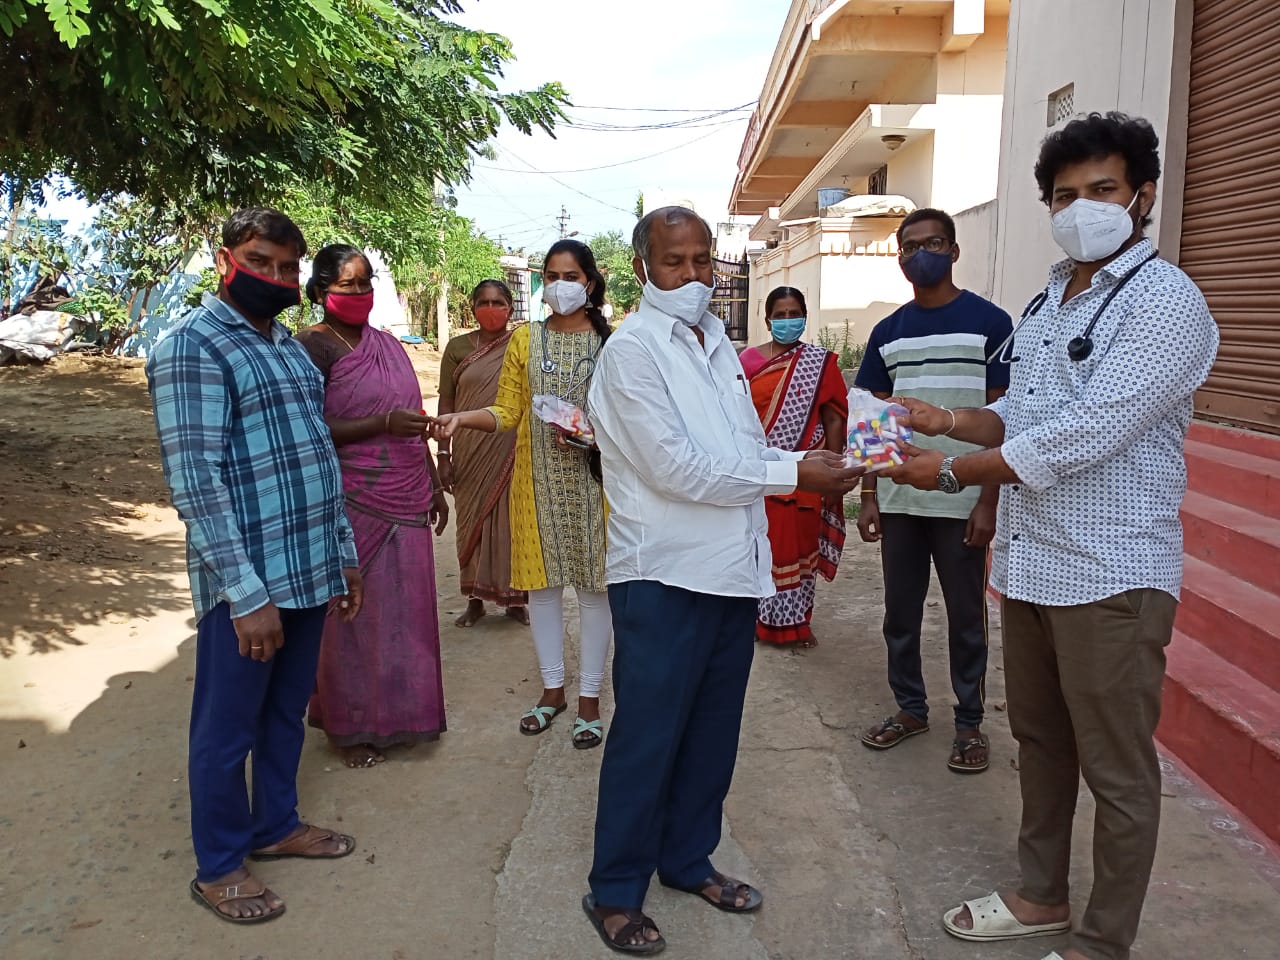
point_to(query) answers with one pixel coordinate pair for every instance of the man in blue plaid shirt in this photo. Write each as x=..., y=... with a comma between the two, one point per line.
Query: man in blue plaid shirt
x=254, y=476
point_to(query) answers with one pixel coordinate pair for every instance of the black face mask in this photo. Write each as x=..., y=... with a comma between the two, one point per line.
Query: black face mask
x=259, y=297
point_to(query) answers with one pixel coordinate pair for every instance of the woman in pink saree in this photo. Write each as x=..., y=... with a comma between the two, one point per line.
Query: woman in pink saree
x=379, y=682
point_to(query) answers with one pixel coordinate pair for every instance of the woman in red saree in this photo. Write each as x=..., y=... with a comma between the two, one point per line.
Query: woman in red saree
x=802, y=401
x=379, y=680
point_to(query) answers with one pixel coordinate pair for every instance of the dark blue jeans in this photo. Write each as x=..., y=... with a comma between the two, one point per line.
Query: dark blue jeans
x=680, y=667
x=242, y=706
x=908, y=547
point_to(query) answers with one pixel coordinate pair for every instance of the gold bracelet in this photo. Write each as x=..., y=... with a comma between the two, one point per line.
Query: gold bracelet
x=868, y=492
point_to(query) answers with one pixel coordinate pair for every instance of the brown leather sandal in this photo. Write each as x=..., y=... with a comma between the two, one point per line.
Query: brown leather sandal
x=730, y=891
x=960, y=750
x=894, y=726
x=250, y=888
x=302, y=846
x=637, y=925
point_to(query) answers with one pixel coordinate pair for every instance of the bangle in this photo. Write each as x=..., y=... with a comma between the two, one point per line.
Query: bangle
x=868, y=493
x=947, y=432
x=386, y=424
x=444, y=453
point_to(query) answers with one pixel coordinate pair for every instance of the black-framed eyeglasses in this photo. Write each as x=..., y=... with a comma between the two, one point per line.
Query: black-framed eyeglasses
x=932, y=244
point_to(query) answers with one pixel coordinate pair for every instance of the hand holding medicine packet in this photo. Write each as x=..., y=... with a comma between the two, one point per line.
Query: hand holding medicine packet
x=566, y=417
x=875, y=432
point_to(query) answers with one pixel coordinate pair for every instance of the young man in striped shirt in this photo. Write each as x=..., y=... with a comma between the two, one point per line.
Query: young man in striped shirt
x=934, y=348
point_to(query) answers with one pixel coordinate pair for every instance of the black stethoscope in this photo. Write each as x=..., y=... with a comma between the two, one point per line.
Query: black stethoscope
x=1078, y=348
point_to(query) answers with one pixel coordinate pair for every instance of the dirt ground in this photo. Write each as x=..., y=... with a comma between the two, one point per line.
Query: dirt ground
x=478, y=846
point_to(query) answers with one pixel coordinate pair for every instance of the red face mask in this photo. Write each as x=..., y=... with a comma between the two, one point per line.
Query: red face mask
x=493, y=319
x=352, y=308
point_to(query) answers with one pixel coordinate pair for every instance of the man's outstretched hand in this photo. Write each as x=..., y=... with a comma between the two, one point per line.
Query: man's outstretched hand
x=825, y=472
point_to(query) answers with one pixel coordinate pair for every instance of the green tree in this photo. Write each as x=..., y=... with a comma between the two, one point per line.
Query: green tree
x=613, y=254
x=217, y=103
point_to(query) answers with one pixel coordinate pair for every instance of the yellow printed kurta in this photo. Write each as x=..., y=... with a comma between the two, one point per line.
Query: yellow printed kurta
x=557, y=507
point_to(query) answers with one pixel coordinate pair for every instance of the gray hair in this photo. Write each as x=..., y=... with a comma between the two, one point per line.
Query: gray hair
x=642, y=236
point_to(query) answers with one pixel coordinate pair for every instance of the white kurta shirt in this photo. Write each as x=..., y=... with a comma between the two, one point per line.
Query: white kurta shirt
x=1098, y=444
x=686, y=465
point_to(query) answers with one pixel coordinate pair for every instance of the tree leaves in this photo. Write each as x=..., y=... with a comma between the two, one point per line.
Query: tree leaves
x=218, y=103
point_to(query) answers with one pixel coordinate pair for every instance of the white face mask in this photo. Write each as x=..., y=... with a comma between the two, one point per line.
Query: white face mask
x=564, y=297
x=1091, y=230
x=686, y=304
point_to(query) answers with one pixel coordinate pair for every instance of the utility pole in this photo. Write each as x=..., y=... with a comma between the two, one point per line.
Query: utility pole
x=442, y=300
x=563, y=220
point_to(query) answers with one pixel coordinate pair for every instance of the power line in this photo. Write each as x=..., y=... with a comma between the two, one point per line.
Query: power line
x=589, y=127
x=607, y=166
x=746, y=106
x=549, y=175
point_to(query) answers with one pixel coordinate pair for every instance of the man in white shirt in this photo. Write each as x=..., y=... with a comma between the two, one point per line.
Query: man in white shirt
x=686, y=468
x=1088, y=443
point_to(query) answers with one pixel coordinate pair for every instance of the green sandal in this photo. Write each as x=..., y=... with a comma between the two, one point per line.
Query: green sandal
x=593, y=731
x=542, y=716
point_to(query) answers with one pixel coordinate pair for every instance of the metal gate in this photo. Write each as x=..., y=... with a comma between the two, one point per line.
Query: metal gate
x=1231, y=209
x=729, y=302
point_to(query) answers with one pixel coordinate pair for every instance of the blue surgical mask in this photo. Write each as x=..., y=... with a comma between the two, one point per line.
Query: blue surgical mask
x=927, y=269
x=787, y=329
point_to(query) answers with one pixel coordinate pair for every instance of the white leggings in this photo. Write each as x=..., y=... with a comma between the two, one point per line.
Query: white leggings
x=546, y=618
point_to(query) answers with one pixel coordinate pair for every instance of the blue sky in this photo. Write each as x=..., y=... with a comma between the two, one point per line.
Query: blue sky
x=656, y=53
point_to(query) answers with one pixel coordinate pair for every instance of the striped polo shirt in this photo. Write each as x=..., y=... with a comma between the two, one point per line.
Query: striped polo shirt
x=939, y=355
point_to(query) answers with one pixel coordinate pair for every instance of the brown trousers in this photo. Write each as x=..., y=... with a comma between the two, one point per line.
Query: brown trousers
x=1083, y=686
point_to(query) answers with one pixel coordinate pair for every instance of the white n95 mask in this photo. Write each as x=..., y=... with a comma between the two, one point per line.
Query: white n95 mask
x=1091, y=230
x=564, y=297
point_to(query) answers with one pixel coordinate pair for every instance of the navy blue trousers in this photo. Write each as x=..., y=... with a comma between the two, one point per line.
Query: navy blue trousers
x=242, y=706
x=680, y=667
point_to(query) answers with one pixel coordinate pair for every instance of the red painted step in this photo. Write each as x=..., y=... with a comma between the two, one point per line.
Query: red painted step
x=1246, y=441
x=1225, y=725
x=1236, y=620
x=1231, y=538
x=1245, y=479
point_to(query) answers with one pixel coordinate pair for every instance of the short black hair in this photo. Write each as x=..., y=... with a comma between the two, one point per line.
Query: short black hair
x=1095, y=137
x=327, y=267
x=782, y=293
x=272, y=225
x=929, y=213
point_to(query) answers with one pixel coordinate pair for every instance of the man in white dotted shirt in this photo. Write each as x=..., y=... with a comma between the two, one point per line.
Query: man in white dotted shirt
x=1088, y=551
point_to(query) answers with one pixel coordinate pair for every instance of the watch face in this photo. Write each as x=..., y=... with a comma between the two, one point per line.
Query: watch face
x=947, y=481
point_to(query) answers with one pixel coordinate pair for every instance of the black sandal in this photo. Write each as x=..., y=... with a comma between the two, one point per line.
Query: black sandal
x=637, y=923
x=730, y=891
x=890, y=725
x=963, y=747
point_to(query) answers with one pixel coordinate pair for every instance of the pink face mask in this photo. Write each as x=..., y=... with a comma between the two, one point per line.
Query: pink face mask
x=352, y=308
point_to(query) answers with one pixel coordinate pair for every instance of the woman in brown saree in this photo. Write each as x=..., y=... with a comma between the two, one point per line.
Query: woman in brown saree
x=476, y=467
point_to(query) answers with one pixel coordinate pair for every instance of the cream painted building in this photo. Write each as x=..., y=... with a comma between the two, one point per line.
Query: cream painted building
x=895, y=104
x=1205, y=73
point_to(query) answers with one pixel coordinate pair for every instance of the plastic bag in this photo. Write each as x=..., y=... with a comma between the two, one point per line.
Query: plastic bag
x=874, y=431
x=571, y=420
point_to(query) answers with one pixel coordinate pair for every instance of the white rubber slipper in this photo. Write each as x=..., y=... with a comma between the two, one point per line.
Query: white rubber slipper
x=992, y=920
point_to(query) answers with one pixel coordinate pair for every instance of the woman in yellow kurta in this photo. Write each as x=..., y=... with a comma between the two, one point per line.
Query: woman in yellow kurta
x=557, y=503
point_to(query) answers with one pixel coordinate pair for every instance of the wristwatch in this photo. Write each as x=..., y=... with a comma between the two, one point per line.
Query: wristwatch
x=947, y=481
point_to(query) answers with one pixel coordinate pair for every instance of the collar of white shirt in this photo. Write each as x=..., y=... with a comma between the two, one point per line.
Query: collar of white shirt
x=712, y=327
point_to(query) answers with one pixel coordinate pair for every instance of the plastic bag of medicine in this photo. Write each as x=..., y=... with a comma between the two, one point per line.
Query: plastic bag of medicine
x=875, y=431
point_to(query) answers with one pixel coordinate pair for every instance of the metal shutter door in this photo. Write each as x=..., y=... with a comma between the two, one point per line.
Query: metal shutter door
x=1231, y=210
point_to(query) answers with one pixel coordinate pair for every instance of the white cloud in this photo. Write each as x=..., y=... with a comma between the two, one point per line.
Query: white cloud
x=658, y=53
